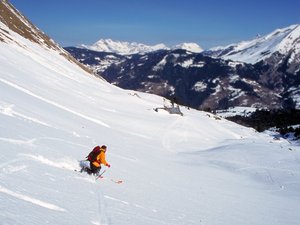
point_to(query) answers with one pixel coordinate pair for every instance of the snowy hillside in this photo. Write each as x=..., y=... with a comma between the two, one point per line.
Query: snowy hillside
x=126, y=48
x=194, y=169
x=285, y=41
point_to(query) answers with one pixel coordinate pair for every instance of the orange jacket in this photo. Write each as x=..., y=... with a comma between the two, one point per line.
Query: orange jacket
x=100, y=159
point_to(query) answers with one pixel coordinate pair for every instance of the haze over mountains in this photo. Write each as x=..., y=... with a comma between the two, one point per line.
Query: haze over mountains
x=263, y=72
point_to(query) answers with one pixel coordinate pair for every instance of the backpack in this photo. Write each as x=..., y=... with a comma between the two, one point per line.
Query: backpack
x=93, y=154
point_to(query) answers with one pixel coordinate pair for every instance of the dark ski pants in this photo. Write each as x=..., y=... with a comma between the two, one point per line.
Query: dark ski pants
x=94, y=169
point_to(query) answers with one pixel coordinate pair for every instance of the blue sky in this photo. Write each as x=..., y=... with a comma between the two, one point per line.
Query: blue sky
x=209, y=23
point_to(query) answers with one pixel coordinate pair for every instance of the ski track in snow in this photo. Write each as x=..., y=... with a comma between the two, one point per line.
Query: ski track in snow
x=117, y=200
x=128, y=204
x=62, y=140
x=7, y=164
x=13, y=169
x=53, y=103
x=7, y=109
x=102, y=218
x=66, y=164
x=19, y=141
x=31, y=200
x=139, y=135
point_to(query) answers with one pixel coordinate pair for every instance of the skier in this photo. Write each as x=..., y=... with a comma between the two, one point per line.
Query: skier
x=96, y=158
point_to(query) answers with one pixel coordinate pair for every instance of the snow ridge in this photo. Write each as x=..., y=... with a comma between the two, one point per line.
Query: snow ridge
x=282, y=41
x=127, y=48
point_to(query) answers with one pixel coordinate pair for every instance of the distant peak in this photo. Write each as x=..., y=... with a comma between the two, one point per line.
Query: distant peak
x=122, y=47
x=192, y=47
x=127, y=48
x=282, y=40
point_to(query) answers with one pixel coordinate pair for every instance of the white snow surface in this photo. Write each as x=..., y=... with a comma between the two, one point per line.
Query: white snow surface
x=194, y=169
x=127, y=48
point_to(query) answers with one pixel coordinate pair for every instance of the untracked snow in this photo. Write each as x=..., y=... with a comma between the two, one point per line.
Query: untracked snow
x=195, y=169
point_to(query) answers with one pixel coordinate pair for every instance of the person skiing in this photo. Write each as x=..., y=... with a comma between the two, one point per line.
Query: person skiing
x=96, y=158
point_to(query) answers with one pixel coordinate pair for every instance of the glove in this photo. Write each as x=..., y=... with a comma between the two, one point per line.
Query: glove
x=108, y=165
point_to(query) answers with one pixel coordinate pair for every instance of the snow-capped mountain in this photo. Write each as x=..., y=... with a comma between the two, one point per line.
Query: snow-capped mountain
x=176, y=170
x=283, y=42
x=128, y=48
x=191, y=47
x=263, y=72
x=122, y=47
x=195, y=80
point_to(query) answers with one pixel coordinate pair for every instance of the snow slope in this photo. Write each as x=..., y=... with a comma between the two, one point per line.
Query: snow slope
x=285, y=41
x=194, y=169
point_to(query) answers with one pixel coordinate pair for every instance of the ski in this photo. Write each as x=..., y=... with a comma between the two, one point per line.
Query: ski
x=100, y=176
x=117, y=181
x=112, y=180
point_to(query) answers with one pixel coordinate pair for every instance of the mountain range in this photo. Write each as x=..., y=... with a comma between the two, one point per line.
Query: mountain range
x=263, y=72
x=127, y=48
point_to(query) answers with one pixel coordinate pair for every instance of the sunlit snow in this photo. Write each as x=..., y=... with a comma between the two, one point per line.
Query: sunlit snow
x=252, y=51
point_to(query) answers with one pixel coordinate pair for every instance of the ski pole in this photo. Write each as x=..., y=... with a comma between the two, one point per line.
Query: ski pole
x=102, y=173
